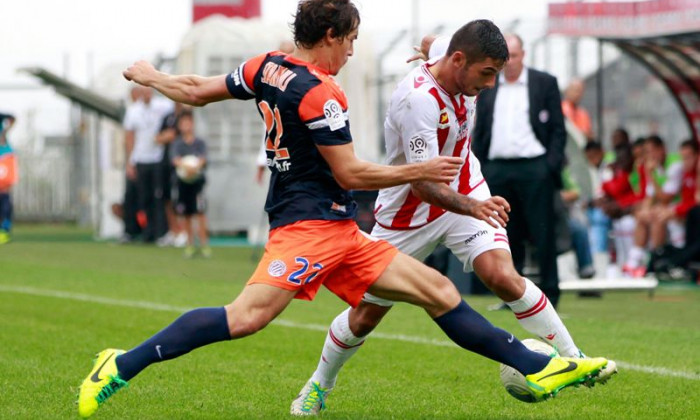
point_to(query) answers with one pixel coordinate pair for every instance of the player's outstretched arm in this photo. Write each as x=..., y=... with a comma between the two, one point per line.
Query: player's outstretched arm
x=187, y=89
x=356, y=174
x=493, y=211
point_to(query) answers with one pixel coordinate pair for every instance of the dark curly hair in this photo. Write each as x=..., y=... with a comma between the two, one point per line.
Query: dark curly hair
x=315, y=17
x=478, y=40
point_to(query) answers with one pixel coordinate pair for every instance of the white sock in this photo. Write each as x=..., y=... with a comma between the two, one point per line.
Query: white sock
x=636, y=256
x=623, y=231
x=538, y=316
x=340, y=345
x=676, y=233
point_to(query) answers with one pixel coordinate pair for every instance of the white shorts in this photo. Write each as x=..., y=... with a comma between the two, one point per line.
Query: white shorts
x=465, y=236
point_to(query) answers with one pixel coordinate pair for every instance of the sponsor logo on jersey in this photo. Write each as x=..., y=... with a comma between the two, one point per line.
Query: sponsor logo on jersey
x=277, y=268
x=418, y=81
x=334, y=114
x=474, y=236
x=463, y=131
x=417, y=147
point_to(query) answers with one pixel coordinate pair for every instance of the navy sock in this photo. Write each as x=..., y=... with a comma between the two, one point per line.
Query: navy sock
x=471, y=331
x=191, y=330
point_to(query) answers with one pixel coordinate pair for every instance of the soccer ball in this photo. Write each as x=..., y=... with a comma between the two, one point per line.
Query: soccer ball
x=188, y=170
x=515, y=382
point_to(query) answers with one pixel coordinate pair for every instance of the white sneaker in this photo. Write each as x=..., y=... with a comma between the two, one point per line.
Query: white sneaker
x=180, y=240
x=311, y=400
x=166, y=240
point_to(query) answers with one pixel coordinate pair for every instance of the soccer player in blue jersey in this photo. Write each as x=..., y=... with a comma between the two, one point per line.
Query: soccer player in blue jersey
x=313, y=239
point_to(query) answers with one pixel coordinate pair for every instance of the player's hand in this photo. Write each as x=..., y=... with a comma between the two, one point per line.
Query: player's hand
x=140, y=72
x=419, y=55
x=423, y=50
x=131, y=172
x=441, y=169
x=493, y=211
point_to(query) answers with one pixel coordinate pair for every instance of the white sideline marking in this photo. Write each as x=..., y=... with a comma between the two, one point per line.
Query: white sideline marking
x=291, y=324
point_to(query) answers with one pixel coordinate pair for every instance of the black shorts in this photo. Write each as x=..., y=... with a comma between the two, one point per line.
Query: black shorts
x=190, y=198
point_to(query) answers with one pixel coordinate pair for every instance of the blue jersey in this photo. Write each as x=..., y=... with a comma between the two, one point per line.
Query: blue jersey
x=5, y=120
x=302, y=106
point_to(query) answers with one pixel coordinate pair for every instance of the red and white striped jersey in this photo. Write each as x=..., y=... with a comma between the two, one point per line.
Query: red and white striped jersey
x=424, y=121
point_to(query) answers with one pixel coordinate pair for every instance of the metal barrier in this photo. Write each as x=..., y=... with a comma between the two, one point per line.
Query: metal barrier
x=45, y=191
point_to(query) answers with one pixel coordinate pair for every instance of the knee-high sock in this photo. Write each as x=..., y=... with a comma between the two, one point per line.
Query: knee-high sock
x=191, y=330
x=538, y=316
x=340, y=345
x=473, y=332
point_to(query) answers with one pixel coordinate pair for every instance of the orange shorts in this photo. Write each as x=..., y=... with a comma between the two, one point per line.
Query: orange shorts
x=308, y=253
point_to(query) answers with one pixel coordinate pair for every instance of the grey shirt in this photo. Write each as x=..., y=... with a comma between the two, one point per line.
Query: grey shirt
x=179, y=148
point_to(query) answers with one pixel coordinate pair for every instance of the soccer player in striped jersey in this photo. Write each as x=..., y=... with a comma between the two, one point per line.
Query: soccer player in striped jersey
x=431, y=114
x=313, y=239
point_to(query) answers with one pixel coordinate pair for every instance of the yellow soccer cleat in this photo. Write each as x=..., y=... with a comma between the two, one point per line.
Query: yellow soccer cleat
x=102, y=382
x=562, y=372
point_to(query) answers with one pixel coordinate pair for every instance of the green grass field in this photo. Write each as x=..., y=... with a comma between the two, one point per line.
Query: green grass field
x=64, y=297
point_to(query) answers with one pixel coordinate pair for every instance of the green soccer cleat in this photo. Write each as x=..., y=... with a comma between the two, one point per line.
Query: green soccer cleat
x=206, y=252
x=562, y=372
x=4, y=237
x=311, y=400
x=102, y=382
x=190, y=251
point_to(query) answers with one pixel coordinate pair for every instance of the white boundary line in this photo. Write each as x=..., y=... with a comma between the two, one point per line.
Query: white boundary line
x=662, y=371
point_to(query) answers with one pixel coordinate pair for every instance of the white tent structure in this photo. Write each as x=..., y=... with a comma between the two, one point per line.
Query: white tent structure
x=233, y=129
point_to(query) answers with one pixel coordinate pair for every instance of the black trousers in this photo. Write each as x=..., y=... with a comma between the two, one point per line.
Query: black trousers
x=5, y=212
x=149, y=180
x=130, y=207
x=691, y=250
x=528, y=185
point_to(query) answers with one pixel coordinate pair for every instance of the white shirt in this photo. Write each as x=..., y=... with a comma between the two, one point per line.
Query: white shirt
x=424, y=121
x=511, y=134
x=674, y=180
x=145, y=121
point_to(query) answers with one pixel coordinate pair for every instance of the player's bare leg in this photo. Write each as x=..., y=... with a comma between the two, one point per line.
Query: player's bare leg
x=253, y=309
x=203, y=233
x=189, y=249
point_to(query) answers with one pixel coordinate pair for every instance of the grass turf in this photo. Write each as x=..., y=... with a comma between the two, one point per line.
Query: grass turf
x=64, y=297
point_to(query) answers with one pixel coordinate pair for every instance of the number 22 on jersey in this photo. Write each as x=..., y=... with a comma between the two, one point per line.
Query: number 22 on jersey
x=273, y=123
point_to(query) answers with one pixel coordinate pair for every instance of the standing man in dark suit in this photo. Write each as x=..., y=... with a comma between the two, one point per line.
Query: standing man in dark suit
x=519, y=137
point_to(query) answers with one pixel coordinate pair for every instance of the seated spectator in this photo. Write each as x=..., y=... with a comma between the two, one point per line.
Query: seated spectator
x=620, y=201
x=668, y=216
x=659, y=183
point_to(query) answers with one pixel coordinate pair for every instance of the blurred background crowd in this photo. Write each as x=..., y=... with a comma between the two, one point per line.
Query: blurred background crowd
x=90, y=148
